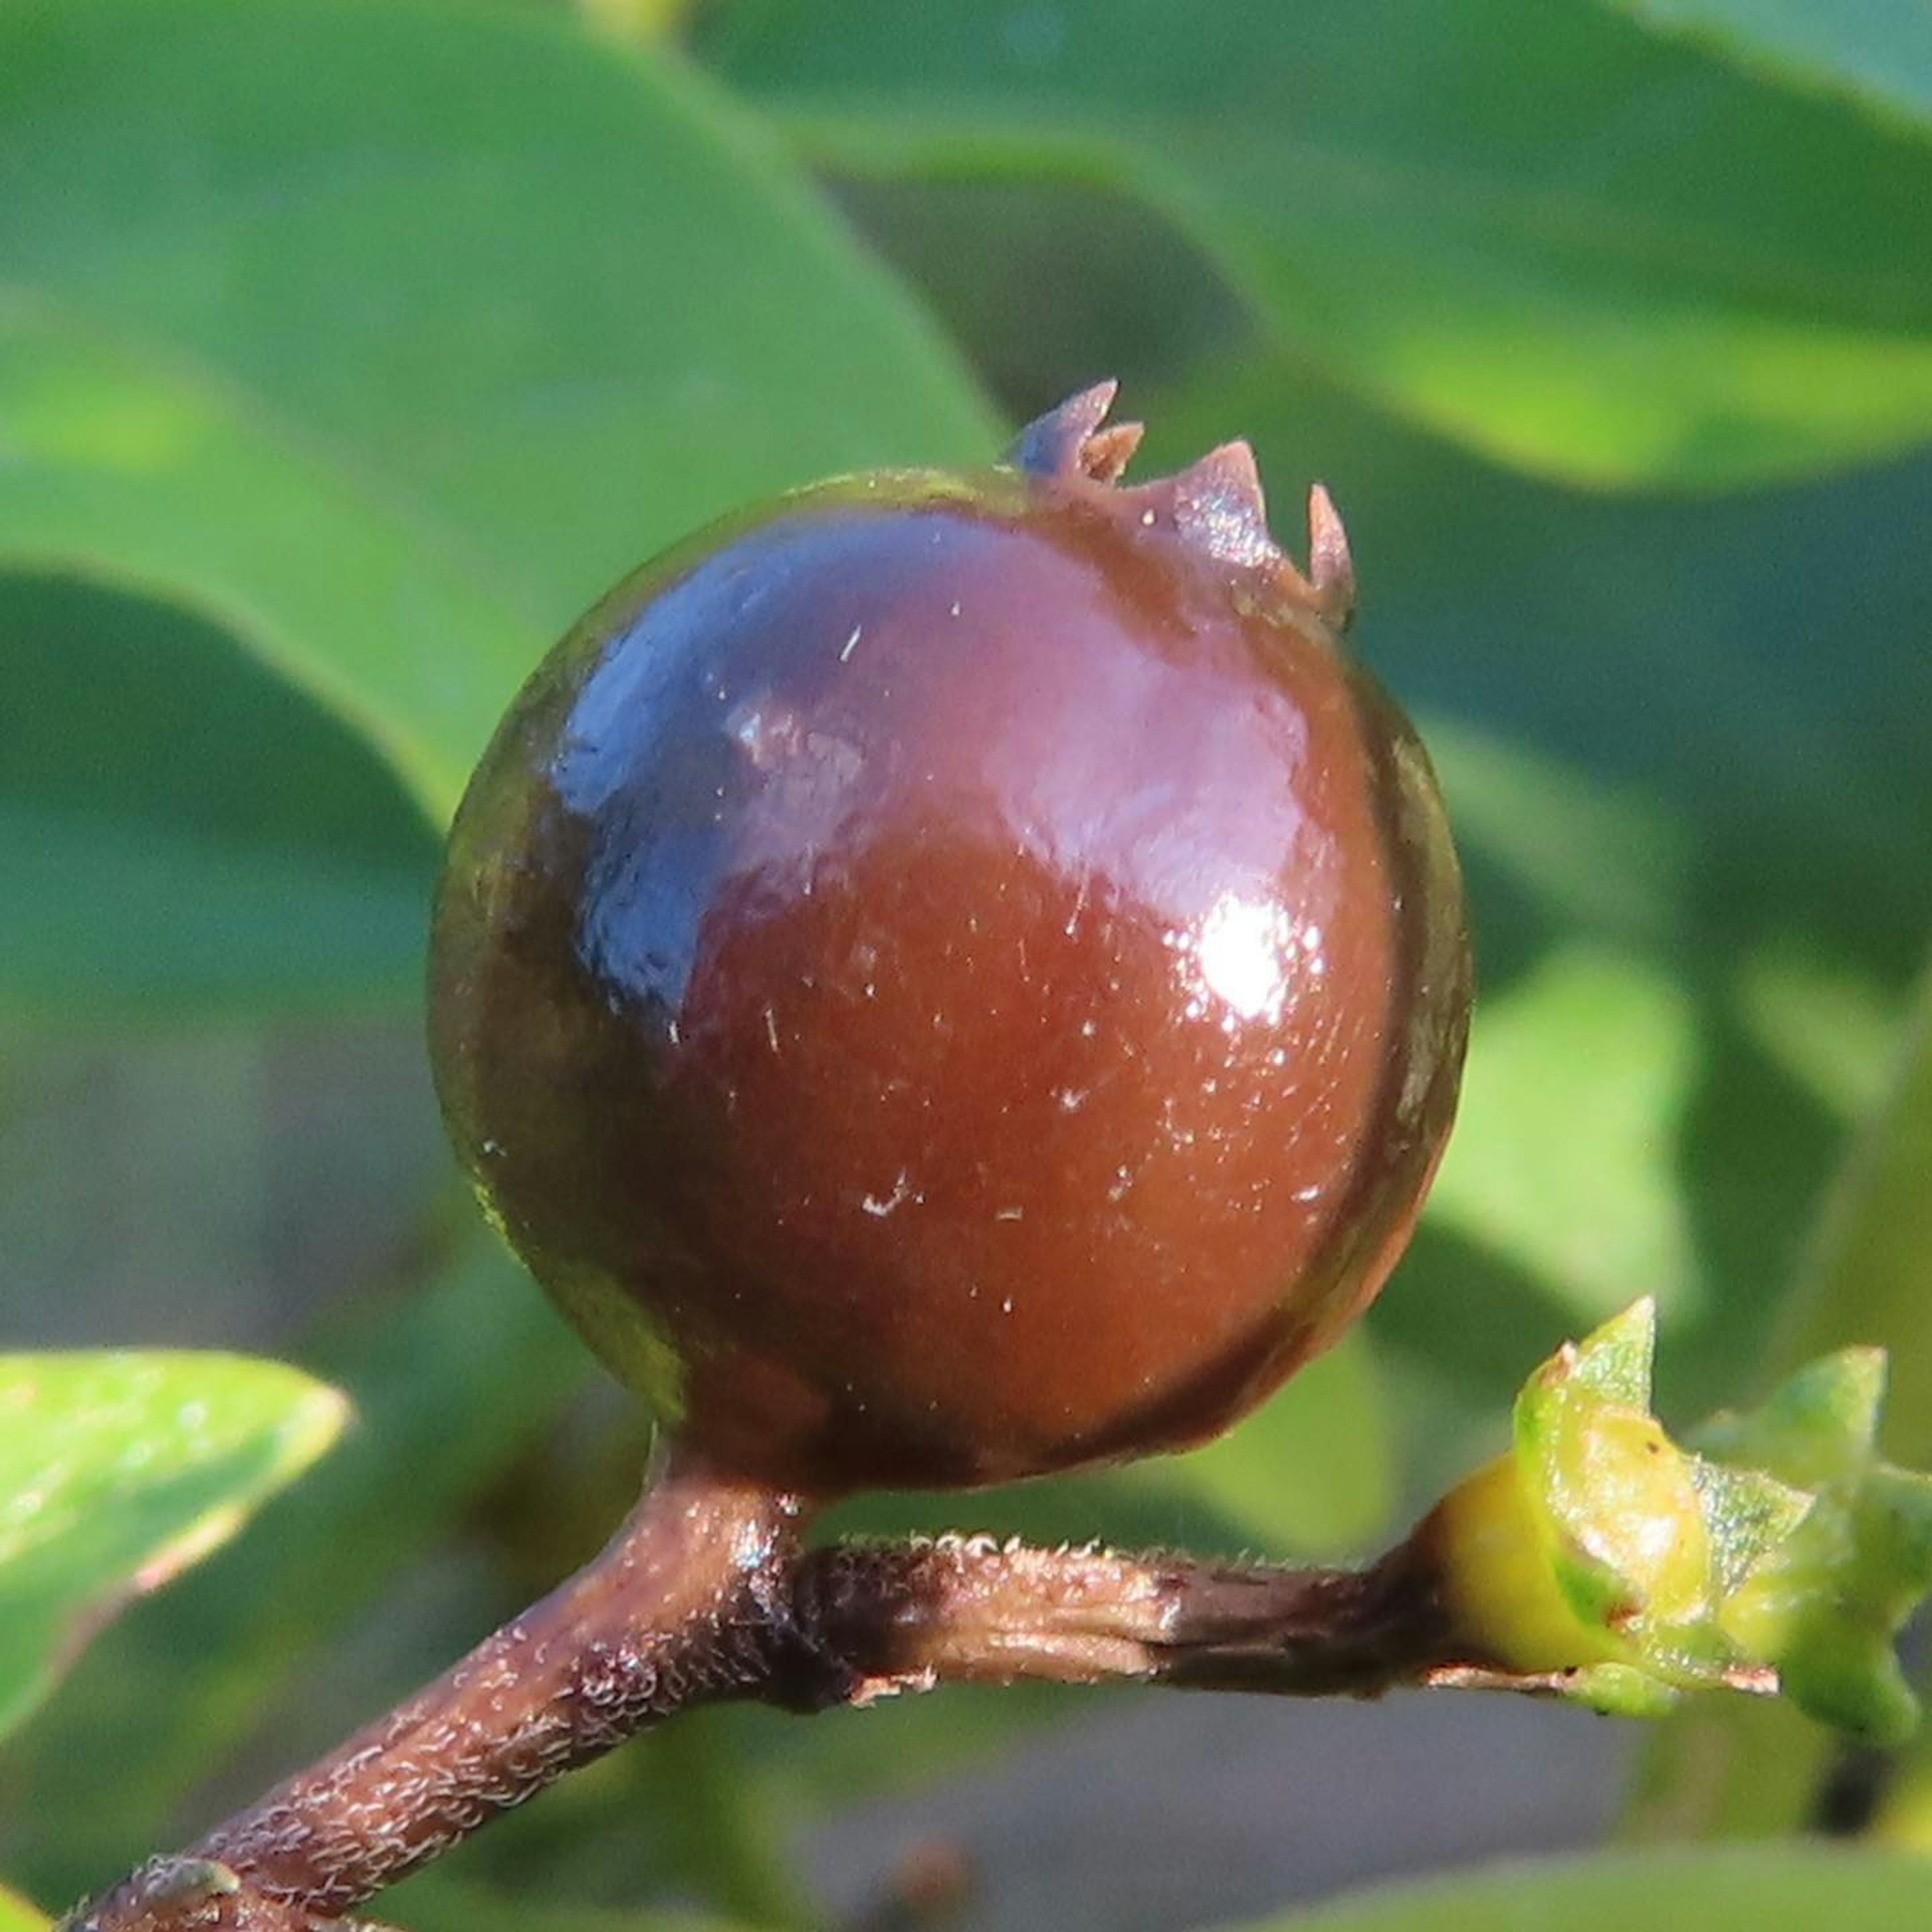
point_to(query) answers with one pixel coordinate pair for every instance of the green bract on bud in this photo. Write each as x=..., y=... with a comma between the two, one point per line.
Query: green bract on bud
x=1610, y=1564
x=1825, y=1604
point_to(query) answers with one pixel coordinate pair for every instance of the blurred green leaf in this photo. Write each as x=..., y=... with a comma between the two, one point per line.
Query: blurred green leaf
x=1311, y=1472
x=637, y=20
x=435, y=1902
x=1904, y=1819
x=724, y=1840
x=1547, y=232
x=448, y=1384
x=119, y=1470
x=1826, y=1022
x=1581, y=1192
x=1605, y=857
x=1868, y=1277
x=127, y=464
x=1766, y=1888
x=17, y=1915
x=1877, y=52
x=1133, y=295
x=180, y=833
x=386, y=336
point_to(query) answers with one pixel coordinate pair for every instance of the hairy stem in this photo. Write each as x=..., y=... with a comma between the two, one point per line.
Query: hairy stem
x=683, y=1606
x=964, y=1609
x=706, y=1594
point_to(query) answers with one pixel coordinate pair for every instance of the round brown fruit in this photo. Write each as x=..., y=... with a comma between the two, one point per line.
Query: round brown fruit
x=947, y=977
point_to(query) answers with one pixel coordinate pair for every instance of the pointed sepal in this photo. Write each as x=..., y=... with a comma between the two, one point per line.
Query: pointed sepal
x=1217, y=505
x=1600, y=1560
x=1826, y=1607
x=1331, y=569
x=1071, y=440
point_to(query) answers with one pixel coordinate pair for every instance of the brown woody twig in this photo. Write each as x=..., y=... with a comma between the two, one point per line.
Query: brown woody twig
x=708, y=1593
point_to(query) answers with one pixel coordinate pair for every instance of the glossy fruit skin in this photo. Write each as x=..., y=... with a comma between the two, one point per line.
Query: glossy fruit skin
x=948, y=978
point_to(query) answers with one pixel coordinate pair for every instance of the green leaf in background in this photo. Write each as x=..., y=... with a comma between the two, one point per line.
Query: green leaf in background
x=1544, y=231
x=433, y=1901
x=17, y=1915
x=448, y=1384
x=636, y=19
x=1312, y=1472
x=1879, y=53
x=1604, y=857
x=1868, y=1276
x=182, y=835
x=1825, y=1022
x=1765, y=1889
x=1583, y=1194
x=117, y=1472
x=130, y=463
x=1903, y=1816
x=387, y=336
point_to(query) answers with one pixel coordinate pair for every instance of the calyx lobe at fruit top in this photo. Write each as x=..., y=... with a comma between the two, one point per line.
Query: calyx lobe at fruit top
x=1216, y=503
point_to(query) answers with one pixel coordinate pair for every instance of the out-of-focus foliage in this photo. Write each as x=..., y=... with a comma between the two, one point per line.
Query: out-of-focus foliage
x=1587, y=1199
x=1553, y=236
x=1878, y=51
x=17, y=1915
x=1783, y=1889
x=1868, y=1275
x=349, y=348
x=146, y=767
x=380, y=341
x=118, y=1471
x=445, y=1386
